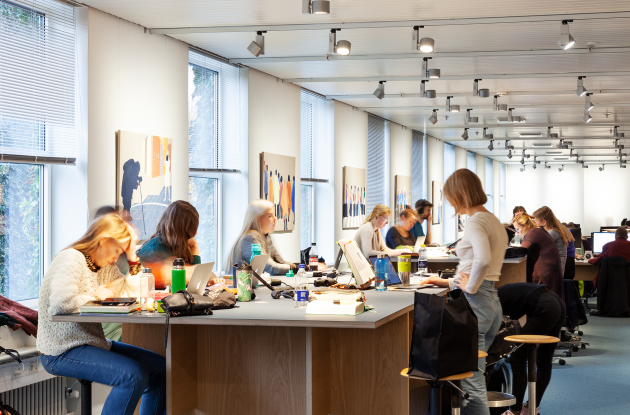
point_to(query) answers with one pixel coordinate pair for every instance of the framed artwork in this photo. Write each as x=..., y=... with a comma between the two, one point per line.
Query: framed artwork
x=143, y=179
x=437, y=202
x=353, y=197
x=461, y=223
x=277, y=185
x=402, y=184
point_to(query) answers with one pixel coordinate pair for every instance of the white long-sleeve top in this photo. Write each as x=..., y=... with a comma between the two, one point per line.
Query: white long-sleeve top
x=371, y=242
x=481, y=250
x=67, y=285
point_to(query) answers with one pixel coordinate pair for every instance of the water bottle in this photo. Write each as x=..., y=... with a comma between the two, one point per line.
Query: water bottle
x=313, y=257
x=178, y=275
x=301, y=288
x=517, y=239
x=256, y=250
x=147, y=292
x=381, y=273
x=422, y=260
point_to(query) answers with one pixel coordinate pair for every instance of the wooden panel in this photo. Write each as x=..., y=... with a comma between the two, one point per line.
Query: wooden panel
x=511, y=273
x=252, y=370
x=585, y=272
x=181, y=370
x=318, y=400
x=365, y=372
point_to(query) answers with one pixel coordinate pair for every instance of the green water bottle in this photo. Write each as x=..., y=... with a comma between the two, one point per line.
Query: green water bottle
x=178, y=275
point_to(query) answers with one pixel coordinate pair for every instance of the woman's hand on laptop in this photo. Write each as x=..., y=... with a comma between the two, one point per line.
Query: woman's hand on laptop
x=437, y=281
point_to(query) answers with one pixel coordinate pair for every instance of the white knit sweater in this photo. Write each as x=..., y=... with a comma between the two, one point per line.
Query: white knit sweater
x=67, y=285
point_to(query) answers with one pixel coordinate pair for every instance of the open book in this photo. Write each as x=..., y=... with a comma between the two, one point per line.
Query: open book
x=360, y=266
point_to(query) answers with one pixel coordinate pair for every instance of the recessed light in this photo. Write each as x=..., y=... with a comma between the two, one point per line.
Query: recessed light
x=560, y=158
x=541, y=144
x=553, y=153
x=530, y=134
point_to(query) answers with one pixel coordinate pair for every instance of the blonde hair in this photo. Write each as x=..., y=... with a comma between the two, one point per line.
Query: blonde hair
x=546, y=214
x=108, y=226
x=463, y=190
x=255, y=210
x=377, y=212
x=524, y=220
x=409, y=213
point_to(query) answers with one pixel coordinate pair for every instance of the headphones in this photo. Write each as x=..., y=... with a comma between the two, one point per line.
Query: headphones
x=280, y=293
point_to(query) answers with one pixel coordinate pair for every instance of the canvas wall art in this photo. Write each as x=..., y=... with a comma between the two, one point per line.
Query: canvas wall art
x=402, y=184
x=277, y=185
x=461, y=223
x=143, y=179
x=437, y=203
x=354, y=197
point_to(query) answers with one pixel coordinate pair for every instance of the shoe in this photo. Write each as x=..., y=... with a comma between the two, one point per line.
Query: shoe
x=525, y=410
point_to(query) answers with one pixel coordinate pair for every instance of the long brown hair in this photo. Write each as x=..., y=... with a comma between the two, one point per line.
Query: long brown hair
x=108, y=226
x=463, y=190
x=178, y=224
x=553, y=223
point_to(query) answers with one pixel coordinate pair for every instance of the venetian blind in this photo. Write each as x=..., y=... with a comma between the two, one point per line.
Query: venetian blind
x=417, y=167
x=376, y=174
x=450, y=221
x=489, y=185
x=471, y=161
x=316, y=137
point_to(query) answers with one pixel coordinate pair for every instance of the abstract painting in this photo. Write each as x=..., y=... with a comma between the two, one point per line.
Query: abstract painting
x=143, y=179
x=354, y=197
x=402, y=184
x=437, y=203
x=277, y=185
x=461, y=223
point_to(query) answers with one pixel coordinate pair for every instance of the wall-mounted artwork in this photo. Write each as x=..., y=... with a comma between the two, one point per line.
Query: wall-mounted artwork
x=277, y=185
x=437, y=203
x=354, y=197
x=402, y=184
x=143, y=179
x=461, y=223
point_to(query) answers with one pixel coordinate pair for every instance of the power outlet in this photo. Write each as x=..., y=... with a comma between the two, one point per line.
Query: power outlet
x=32, y=367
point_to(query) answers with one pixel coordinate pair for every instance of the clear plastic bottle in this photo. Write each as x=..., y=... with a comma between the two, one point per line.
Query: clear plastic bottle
x=301, y=288
x=381, y=273
x=147, y=292
x=422, y=260
x=517, y=239
x=313, y=257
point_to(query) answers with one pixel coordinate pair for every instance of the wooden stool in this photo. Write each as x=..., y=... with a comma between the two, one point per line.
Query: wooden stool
x=532, y=341
x=481, y=354
x=436, y=388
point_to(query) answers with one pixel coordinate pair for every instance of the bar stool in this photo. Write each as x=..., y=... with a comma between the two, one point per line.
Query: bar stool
x=436, y=388
x=532, y=341
x=497, y=399
x=85, y=395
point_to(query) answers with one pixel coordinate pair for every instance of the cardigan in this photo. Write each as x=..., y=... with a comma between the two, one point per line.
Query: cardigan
x=543, y=260
x=371, y=242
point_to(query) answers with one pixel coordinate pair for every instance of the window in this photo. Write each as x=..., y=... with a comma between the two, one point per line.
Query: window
x=471, y=161
x=450, y=221
x=489, y=185
x=377, y=173
x=418, y=182
x=306, y=216
x=502, y=189
x=203, y=131
x=203, y=194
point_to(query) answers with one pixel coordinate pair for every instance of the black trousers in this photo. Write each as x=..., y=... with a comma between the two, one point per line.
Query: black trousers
x=547, y=320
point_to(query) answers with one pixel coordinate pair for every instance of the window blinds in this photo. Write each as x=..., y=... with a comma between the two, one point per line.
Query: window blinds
x=376, y=174
x=316, y=138
x=503, y=189
x=450, y=221
x=37, y=79
x=471, y=161
x=214, y=113
x=417, y=167
x=489, y=185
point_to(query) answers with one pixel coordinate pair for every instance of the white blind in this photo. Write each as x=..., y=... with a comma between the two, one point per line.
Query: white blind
x=37, y=78
x=471, y=161
x=450, y=221
x=316, y=139
x=214, y=113
x=503, y=188
x=489, y=185
x=417, y=167
x=376, y=174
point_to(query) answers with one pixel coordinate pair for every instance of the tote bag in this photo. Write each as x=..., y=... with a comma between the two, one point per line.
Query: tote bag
x=444, y=339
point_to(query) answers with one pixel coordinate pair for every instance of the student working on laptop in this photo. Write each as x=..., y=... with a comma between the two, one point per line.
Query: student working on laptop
x=423, y=209
x=400, y=234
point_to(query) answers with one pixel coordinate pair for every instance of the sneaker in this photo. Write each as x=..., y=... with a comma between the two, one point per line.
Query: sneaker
x=525, y=410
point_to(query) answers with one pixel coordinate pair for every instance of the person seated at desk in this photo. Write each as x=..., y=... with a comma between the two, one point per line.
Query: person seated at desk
x=259, y=224
x=369, y=237
x=619, y=247
x=543, y=259
x=545, y=218
x=400, y=234
x=75, y=276
x=423, y=209
x=517, y=209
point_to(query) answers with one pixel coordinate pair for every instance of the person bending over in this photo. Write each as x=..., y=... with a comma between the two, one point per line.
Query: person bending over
x=546, y=314
x=423, y=209
x=400, y=234
x=77, y=275
x=481, y=251
x=259, y=224
x=369, y=237
x=545, y=218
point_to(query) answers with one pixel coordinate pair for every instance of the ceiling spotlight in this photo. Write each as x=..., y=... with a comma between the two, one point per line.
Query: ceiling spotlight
x=534, y=166
x=449, y=107
x=483, y=93
x=429, y=73
x=523, y=157
x=491, y=146
x=433, y=117
x=587, y=117
x=618, y=134
x=426, y=93
x=546, y=166
x=623, y=166
x=508, y=146
x=340, y=48
x=424, y=45
x=487, y=136
x=510, y=154
x=601, y=168
x=497, y=106
x=380, y=90
x=523, y=169
x=471, y=119
x=564, y=144
x=561, y=168
x=580, y=91
x=566, y=40
x=257, y=47
x=465, y=135
x=587, y=102
x=315, y=7
x=550, y=134
x=584, y=166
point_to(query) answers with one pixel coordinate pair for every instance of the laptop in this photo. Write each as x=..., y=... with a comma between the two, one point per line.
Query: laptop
x=200, y=278
x=392, y=275
x=258, y=266
x=419, y=242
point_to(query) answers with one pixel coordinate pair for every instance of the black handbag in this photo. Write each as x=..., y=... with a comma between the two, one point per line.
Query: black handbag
x=444, y=339
x=183, y=303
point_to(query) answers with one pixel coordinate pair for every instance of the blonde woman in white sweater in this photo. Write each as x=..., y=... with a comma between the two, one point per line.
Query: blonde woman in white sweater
x=87, y=271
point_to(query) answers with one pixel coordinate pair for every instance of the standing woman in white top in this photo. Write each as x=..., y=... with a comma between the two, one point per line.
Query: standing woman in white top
x=480, y=252
x=369, y=237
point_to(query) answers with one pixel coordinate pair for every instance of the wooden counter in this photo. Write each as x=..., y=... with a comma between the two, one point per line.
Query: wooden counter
x=513, y=270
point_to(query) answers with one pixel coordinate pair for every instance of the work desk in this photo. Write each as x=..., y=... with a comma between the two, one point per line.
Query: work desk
x=585, y=271
x=267, y=357
x=513, y=270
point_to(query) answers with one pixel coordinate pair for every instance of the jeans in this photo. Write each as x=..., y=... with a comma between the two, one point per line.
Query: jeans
x=485, y=303
x=131, y=371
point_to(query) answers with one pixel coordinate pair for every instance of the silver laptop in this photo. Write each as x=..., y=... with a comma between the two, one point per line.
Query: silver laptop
x=259, y=262
x=200, y=278
x=419, y=242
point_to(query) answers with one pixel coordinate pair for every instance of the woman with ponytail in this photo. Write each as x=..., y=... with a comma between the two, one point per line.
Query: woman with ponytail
x=565, y=242
x=369, y=237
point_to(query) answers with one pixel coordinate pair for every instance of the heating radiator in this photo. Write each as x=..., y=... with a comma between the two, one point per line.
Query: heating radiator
x=43, y=398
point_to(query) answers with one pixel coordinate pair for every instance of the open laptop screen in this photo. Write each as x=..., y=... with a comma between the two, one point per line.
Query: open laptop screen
x=392, y=275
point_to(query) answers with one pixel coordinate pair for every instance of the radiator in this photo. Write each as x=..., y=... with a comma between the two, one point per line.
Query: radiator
x=43, y=398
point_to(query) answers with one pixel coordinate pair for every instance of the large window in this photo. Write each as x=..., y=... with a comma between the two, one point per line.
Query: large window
x=489, y=185
x=502, y=189
x=203, y=194
x=306, y=216
x=450, y=221
x=471, y=161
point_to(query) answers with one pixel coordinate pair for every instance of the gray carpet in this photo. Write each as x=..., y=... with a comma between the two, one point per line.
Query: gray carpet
x=595, y=380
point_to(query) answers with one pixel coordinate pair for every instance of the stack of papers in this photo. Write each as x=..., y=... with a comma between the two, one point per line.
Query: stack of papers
x=347, y=308
x=97, y=307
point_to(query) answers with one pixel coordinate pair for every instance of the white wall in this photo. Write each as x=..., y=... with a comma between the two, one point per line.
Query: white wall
x=435, y=172
x=460, y=163
x=481, y=169
x=400, y=160
x=606, y=197
x=137, y=82
x=274, y=127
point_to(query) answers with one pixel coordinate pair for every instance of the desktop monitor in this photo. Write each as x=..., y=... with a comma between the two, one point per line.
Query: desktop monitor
x=600, y=239
x=577, y=235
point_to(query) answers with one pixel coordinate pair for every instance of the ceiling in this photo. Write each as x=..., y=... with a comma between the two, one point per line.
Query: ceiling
x=511, y=45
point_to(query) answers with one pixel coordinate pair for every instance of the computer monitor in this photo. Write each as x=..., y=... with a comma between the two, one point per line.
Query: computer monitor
x=600, y=239
x=577, y=235
x=392, y=275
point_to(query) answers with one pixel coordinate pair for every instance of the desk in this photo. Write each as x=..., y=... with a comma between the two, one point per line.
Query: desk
x=513, y=270
x=585, y=271
x=267, y=357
